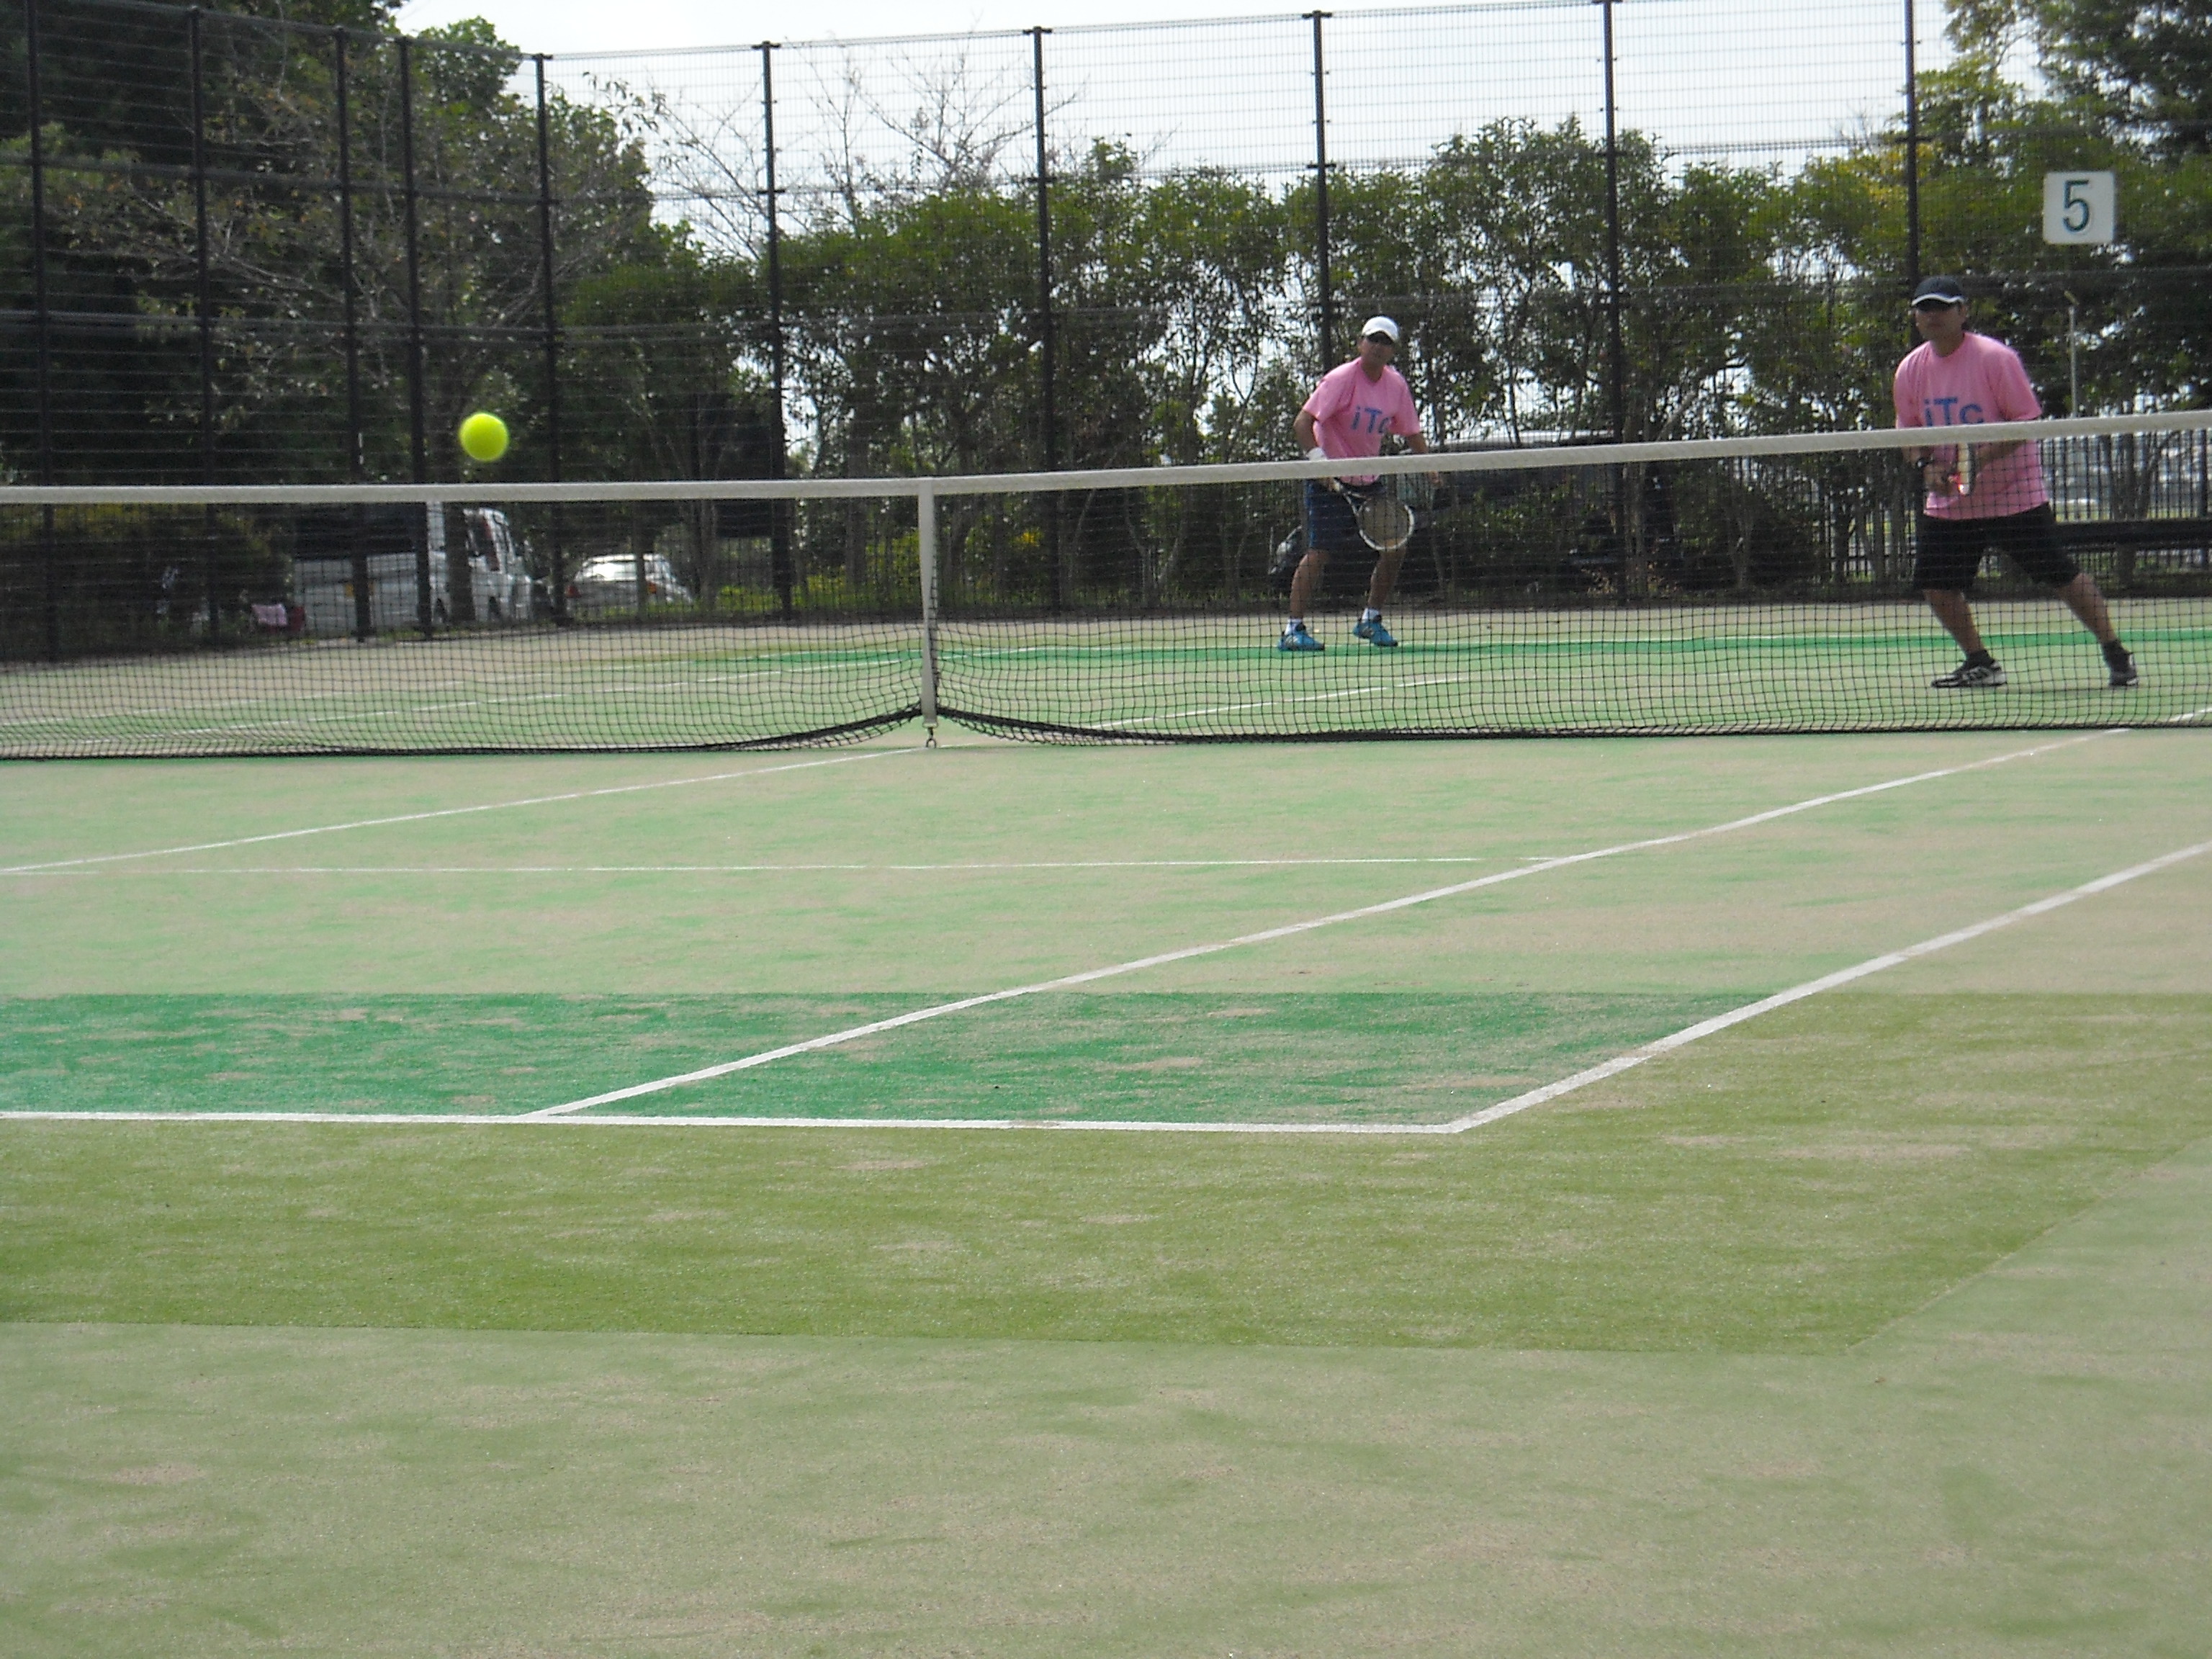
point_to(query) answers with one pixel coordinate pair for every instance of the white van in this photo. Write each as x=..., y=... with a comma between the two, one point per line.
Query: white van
x=495, y=586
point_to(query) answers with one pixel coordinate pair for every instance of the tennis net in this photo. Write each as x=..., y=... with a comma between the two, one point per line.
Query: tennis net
x=1727, y=585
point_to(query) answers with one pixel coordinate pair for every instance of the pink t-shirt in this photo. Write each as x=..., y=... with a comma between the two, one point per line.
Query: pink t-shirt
x=1352, y=415
x=1982, y=381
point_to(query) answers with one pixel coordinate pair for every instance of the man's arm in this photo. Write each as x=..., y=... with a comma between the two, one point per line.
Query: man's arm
x=1302, y=428
x=2016, y=401
x=1419, y=446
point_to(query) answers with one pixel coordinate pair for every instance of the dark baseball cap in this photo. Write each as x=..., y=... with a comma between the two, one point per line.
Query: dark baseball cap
x=1939, y=291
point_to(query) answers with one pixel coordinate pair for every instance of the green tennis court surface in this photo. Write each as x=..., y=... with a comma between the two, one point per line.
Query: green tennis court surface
x=1707, y=667
x=1874, y=1324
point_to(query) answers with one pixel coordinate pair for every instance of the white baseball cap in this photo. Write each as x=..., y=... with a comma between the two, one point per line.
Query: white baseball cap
x=1379, y=325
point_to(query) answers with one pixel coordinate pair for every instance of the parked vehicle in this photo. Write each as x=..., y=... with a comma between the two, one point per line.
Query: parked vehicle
x=608, y=585
x=489, y=583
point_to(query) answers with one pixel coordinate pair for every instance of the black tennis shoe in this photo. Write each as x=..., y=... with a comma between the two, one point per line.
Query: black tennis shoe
x=1972, y=673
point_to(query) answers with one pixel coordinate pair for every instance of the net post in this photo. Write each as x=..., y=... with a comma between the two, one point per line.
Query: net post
x=925, y=517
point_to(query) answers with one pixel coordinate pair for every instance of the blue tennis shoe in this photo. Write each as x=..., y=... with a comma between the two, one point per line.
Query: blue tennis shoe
x=1376, y=635
x=1296, y=639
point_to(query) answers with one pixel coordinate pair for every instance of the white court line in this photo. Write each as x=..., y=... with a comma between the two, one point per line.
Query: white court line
x=1522, y=1102
x=2193, y=714
x=770, y=869
x=1273, y=702
x=1290, y=930
x=1690, y=1034
x=446, y=812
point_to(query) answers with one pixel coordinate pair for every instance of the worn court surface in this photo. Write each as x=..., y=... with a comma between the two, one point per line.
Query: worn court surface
x=1883, y=1323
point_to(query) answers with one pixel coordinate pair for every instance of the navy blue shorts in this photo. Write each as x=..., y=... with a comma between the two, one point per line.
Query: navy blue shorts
x=1951, y=550
x=1330, y=526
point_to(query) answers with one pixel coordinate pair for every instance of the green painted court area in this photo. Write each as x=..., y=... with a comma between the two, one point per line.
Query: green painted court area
x=1880, y=1323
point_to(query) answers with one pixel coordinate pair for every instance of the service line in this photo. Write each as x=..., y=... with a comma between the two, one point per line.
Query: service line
x=1505, y=1108
x=784, y=869
x=1091, y=976
x=446, y=812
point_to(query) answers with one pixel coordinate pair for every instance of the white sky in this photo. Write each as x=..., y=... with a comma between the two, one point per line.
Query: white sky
x=574, y=26
x=1712, y=78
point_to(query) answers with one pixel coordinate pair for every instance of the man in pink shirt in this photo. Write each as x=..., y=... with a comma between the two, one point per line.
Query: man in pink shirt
x=1356, y=405
x=1983, y=498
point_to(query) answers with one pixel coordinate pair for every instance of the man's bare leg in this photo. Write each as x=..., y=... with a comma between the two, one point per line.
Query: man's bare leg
x=1957, y=615
x=2086, y=600
x=1305, y=579
x=1385, y=579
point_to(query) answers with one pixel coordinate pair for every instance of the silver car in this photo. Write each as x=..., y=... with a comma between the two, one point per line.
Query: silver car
x=608, y=585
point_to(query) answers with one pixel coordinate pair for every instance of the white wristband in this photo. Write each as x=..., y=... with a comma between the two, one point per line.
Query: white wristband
x=1316, y=453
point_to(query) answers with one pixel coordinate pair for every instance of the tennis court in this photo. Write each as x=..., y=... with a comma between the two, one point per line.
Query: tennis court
x=1849, y=1324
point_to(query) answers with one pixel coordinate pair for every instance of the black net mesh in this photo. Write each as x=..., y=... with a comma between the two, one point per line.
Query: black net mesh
x=1733, y=593
x=1541, y=591
x=136, y=631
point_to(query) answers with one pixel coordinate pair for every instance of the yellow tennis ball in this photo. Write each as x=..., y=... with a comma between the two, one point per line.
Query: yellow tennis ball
x=483, y=436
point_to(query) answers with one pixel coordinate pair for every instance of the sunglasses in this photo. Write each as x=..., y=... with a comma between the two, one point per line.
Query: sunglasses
x=1381, y=339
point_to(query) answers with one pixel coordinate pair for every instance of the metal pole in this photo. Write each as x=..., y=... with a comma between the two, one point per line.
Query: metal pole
x=1911, y=151
x=49, y=554
x=1048, y=365
x=364, y=620
x=1320, y=197
x=206, y=303
x=1627, y=532
x=1616, y=367
x=2073, y=356
x=1044, y=253
x=779, y=546
x=418, y=438
x=925, y=504
x=556, y=576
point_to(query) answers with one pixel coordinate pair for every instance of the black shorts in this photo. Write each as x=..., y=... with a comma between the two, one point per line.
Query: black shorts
x=1951, y=550
x=1330, y=526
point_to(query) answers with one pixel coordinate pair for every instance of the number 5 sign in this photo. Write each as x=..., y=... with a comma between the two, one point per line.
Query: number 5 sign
x=2079, y=207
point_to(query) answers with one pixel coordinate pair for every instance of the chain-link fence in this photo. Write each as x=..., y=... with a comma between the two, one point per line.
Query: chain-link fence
x=241, y=250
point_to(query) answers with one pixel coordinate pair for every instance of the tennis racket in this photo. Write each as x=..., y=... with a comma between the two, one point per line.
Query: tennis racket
x=1386, y=523
x=1957, y=474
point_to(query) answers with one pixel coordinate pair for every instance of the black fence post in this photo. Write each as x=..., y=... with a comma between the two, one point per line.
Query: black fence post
x=1912, y=152
x=417, y=436
x=1616, y=368
x=1047, y=330
x=1627, y=532
x=206, y=307
x=364, y=619
x=1320, y=200
x=42, y=326
x=556, y=575
x=779, y=512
